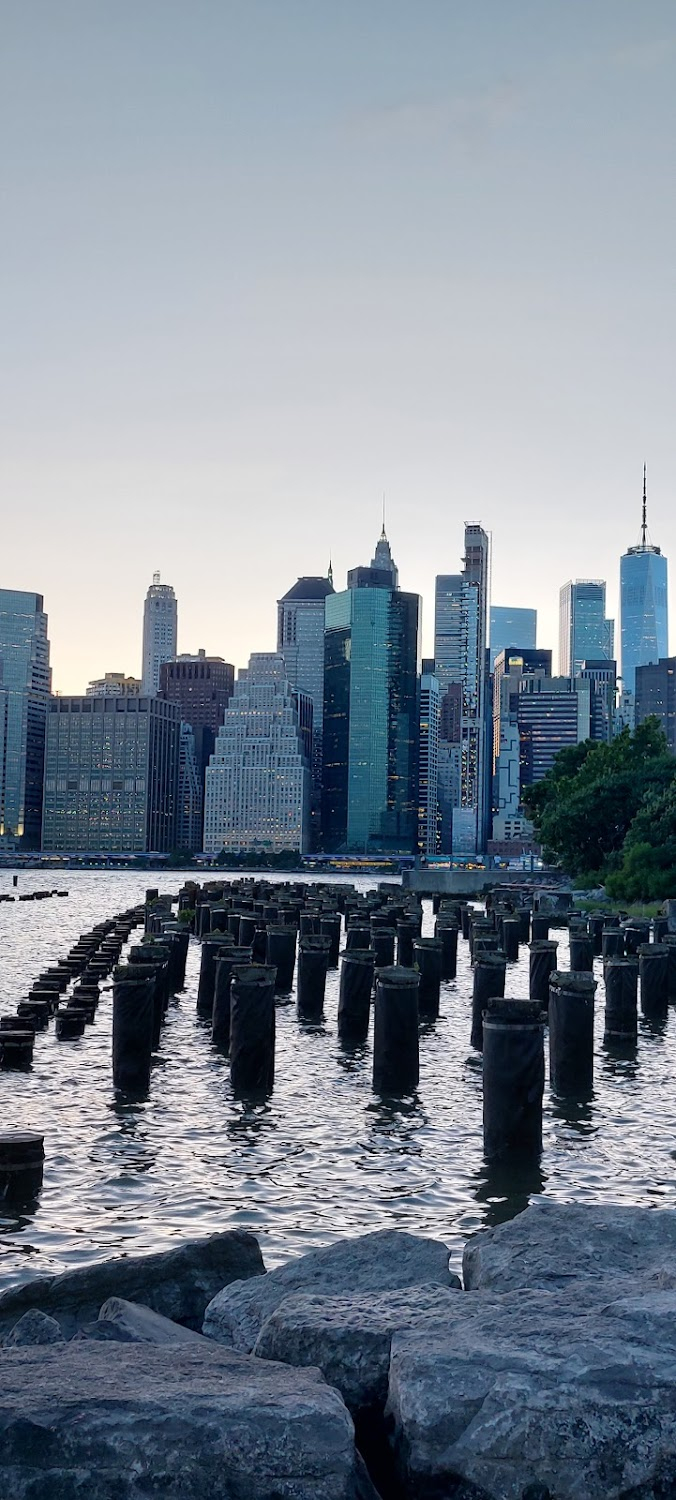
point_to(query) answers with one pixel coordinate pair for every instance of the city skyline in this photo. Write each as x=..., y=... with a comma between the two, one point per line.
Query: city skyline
x=551, y=615
x=298, y=256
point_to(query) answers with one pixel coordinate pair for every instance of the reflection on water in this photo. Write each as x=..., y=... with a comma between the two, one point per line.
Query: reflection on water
x=323, y=1155
x=505, y=1188
x=576, y=1110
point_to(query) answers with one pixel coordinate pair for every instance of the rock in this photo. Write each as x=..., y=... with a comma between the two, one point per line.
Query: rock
x=177, y=1283
x=574, y=1397
x=378, y=1262
x=129, y=1323
x=551, y=1245
x=348, y=1338
x=182, y=1423
x=34, y=1327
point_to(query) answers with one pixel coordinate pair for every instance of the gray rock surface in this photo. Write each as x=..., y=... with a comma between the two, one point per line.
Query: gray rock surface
x=551, y=1245
x=574, y=1395
x=348, y=1338
x=34, y=1327
x=181, y=1422
x=178, y=1283
x=377, y=1262
x=130, y=1323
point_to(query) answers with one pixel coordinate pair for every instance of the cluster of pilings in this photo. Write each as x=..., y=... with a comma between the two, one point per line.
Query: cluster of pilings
x=67, y=992
x=142, y=988
x=511, y=1032
x=255, y=936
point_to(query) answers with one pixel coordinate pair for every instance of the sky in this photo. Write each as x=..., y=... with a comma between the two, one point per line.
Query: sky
x=265, y=261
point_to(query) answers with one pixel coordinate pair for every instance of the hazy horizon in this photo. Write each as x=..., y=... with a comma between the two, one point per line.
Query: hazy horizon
x=264, y=262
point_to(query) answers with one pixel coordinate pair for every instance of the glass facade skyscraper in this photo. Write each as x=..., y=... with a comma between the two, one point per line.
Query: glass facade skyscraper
x=511, y=627
x=369, y=802
x=643, y=610
x=300, y=640
x=584, y=632
x=25, y=683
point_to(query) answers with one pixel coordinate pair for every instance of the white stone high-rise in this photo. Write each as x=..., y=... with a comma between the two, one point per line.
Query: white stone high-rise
x=257, y=793
x=461, y=605
x=160, y=633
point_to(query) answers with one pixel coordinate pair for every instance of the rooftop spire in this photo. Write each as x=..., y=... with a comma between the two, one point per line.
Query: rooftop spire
x=330, y=572
x=383, y=534
x=644, y=521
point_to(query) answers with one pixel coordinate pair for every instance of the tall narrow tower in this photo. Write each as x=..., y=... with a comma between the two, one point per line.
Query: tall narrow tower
x=160, y=633
x=461, y=603
x=644, y=620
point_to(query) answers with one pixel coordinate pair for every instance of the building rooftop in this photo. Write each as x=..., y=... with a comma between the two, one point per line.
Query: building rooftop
x=309, y=588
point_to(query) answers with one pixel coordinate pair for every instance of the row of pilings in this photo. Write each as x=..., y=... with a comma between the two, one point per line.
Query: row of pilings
x=66, y=993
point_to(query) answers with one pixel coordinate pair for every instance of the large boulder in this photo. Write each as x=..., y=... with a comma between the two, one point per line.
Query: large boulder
x=348, y=1338
x=563, y=1397
x=125, y=1322
x=182, y=1422
x=377, y=1262
x=34, y=1327
x=178, y=1283
x=551, y=1245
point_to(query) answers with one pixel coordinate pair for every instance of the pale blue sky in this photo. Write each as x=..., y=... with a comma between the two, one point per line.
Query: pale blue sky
x=262, y=261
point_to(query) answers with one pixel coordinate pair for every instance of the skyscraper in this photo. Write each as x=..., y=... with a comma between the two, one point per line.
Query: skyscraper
x=190, y=808
x=511, y=667
x=511, y=627
x=160, y=633
x=584, y=632
x=202, y=686
x=460, y=622
x=257, y=794
x=656, y=695
x=369, y=802
x=552, y=713
x=25, y=683
x=111, y=775
x=643, y=604
x=428, y=762
x=300, y=640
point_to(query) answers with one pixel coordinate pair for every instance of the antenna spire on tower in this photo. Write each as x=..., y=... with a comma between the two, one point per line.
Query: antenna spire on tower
x=330, y=572
x=644, y=521
x=383, y=533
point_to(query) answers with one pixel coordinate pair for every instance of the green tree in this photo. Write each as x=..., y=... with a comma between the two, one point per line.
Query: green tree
x=647, y=871
x=583, y=809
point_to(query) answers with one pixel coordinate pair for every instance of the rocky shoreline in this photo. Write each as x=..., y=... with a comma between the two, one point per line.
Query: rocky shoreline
x=359, y=1371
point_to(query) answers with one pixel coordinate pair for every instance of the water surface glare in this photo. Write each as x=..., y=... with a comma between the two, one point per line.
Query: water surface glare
x=323, y=1156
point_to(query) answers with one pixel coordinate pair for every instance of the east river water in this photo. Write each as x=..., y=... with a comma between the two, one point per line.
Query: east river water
x=324, y=1156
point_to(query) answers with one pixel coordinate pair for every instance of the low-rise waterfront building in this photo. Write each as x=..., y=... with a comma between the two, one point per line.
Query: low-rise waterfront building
x=111, y=775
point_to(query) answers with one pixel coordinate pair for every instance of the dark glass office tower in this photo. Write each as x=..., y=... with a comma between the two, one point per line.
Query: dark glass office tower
x=369, y=802
x=202, y=686
x=25, y=683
